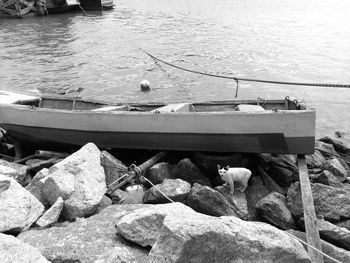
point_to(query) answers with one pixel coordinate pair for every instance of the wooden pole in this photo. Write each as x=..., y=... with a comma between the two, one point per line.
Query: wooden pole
x=312, y=234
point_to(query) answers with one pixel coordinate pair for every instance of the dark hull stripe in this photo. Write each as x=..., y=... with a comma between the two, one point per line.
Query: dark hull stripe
x=251, y=143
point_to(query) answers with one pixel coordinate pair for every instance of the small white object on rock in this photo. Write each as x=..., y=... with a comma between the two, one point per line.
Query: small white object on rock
x=145, y=85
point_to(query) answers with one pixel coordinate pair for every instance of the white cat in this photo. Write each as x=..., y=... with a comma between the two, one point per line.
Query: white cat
x=231, y=174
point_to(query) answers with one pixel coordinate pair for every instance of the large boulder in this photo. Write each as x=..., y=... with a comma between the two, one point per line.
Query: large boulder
x=327, y=178
x=80, y=180
x=206, y=200
x=175, y=189
x=86, y=240
x=143, y=226
x=160, y=171
x=188, y=171
x=18, y=208
x=237, y=201
x=330, y=202
x=254, y=193
x=332, y=251
x=315, y=160
x=201, y=238
x=273, y=208
x=336, y=235
x=13, y=250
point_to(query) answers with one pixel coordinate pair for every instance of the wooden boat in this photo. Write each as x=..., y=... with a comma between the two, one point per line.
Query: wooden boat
x=270, y=126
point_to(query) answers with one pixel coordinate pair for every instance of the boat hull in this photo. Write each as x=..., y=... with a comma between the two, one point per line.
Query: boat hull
x=268, y=132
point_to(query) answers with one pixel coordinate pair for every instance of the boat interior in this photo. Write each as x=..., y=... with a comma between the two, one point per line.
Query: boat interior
x=78, y=104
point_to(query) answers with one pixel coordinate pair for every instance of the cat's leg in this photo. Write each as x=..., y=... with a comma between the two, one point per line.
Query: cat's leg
x=232, y=186
x=244, y=185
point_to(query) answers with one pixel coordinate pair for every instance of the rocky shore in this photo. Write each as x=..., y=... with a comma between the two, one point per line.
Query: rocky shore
x=62, y=210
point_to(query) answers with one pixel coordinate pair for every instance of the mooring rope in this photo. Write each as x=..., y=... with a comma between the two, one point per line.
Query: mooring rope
x=246, y=79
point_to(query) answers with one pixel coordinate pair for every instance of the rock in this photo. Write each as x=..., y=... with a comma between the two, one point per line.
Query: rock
x=106, y=201
x=273, y=208
x=144, y=225
x=336, y=168
x=84, y=240
x=51, y=216
x=176, y=189
x=112, y=167
x=189, y=172
x=117, y=196
x=340, y=143
x=13, y=250
x=344, y=224
x=326, y=149
x=237, y=201
x=205, y=239
x=254, y=193
x=160, y=171
x=281, y=175
x=36, y=186
x=315, y=160
x=206, y=200
x=335, y=252
x=133, y=197
x=207, y=163
x=327, y=178
x=14, y=170
x=80, y=180
x=270, y=184
x=336, y=235
x=35, y=165
x=330, y=202
x=117, y=254
x=18, y=208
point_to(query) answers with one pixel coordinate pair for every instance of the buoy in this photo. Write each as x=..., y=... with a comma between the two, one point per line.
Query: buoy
x=145, y=86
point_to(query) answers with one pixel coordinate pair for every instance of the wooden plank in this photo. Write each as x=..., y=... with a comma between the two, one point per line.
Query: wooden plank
x=312, y=234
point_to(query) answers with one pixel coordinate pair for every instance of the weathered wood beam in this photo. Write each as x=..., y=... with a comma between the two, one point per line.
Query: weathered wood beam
x=312, y=234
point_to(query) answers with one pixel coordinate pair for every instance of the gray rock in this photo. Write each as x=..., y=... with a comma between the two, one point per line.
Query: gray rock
x=206, y=200
x=327, y=178
x=84, y=240
x=315, y=160
x=117, y=254
x=335, y=252
x=189, y=172
x=105, y=202
x=330, y=202
x=18, y=208
x=325, y=148
x=344, y=224
x=13, y=250
x=336, y=168
x=36, y=186
x=254, y=193
x=201, y=238
x=160, y=171
x=133, y=197
x=117, y=196
x=51, y=216
x=144, y=225
x=176, y=189
x=336, y=235
x=273, y=208
x=237, y=201
x=80, y=180
x=15, y=171
x=340, y=143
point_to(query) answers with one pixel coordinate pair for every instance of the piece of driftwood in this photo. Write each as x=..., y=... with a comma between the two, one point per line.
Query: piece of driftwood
x=312, y=234
x=134, y=171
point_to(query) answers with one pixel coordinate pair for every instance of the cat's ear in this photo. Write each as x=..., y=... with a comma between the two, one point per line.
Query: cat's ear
x=219, y=167
x=227, y=167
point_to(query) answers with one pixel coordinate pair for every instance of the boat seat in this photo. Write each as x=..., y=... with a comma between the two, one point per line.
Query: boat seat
x=111, y=108
x=174, y=107
x=249, y=107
